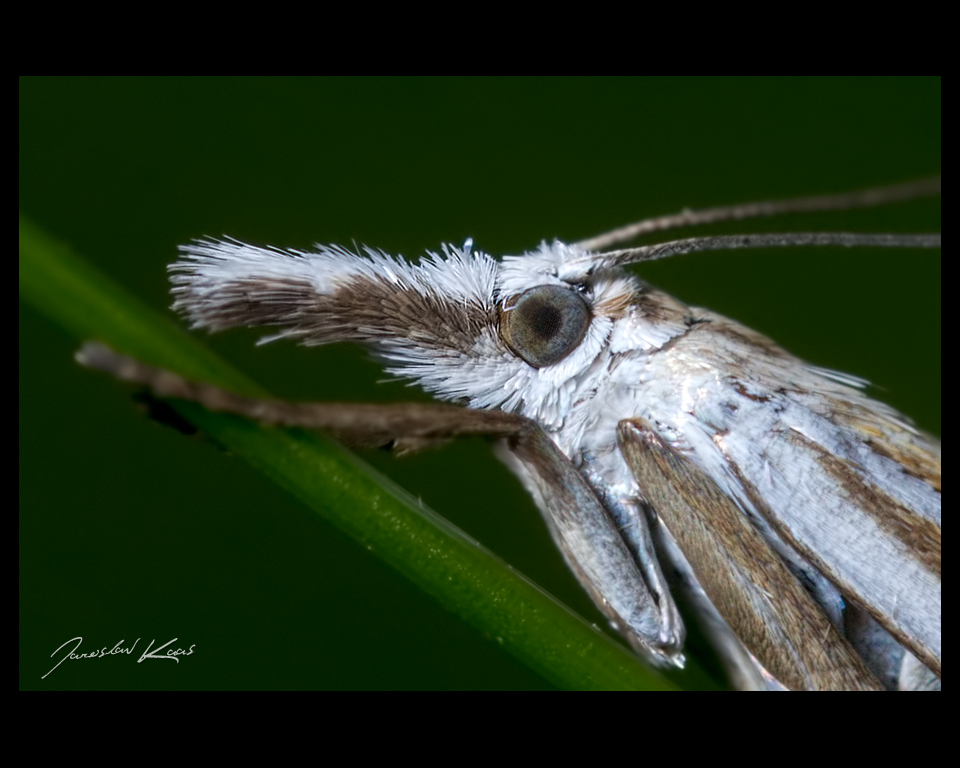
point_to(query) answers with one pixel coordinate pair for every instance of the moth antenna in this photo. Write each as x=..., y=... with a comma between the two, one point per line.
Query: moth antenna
x=613, y=259
x=861, y=199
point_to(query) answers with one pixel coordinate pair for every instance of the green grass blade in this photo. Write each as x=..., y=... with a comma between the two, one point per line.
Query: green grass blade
x=442, y=560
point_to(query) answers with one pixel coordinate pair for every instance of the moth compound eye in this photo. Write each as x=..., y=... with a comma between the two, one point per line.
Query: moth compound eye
x=544, y=324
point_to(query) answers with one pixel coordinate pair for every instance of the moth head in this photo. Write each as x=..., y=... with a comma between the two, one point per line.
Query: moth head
x=515, y=335
x=536, y=334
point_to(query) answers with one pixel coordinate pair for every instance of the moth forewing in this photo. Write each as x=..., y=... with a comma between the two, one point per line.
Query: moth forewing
x=880, y=552
x=808, y=458
x=772, y=614
x=827, y=488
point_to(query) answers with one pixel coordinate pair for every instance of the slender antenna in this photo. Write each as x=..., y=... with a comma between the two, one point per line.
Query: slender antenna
x=612, y=259
x=688, y=218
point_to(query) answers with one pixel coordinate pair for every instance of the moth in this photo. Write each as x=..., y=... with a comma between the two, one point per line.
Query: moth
x=676, y=455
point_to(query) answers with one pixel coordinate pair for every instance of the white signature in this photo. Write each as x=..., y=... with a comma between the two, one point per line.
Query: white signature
x=172, y=654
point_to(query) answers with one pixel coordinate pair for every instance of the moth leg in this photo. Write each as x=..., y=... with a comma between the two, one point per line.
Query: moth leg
x=359, y=424
x=578, y=522
x=594, y=548
x=762, y=601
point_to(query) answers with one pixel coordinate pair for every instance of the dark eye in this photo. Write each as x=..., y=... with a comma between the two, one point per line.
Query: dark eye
x=545, y=324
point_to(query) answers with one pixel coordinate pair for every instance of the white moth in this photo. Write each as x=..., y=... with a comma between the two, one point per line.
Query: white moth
x=672, y=451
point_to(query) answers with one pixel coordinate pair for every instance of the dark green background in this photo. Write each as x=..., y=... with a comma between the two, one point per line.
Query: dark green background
x=128, y=529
